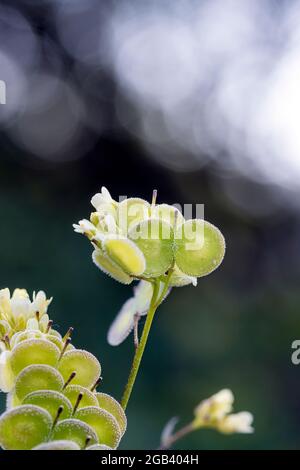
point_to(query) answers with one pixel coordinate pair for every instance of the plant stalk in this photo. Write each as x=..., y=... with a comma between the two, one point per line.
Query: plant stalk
x=140, y=348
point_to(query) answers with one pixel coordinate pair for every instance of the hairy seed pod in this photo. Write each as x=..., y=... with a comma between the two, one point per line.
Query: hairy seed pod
x=24, y=427
x=108, y=403
x=109, y=267
x=51, y=401
x=38, y=377
x=58, y=445
x=34, y=351
x=199, y=248
x=72, y=392
x=75, y=430
x=103, y=423
x=86, y=366
x=154, y=238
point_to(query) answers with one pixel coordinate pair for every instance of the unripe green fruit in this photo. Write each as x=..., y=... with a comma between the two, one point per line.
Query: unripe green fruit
x=38, y=377
x=34, y=351
x=108, y=403
x=99, y=447
x=154, y=238
x=86, y=366
x=75, y=430
x=132, y=211
x=50, y=400
x=103, y=262
x=125, y=254
x=88, y=398
x=199, y=248
x=24, y=427
x=103, y=423
x=58, y=445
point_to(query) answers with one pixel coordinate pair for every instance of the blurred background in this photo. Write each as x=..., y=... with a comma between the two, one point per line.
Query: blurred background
x=201, y=100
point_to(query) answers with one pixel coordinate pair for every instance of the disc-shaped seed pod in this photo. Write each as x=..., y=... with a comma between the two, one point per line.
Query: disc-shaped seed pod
x=86, y=366
x=103, y=423
x=51, y=401
x=76, y=431
x=179, y=279
x=72, y=392
x=126, y=254
x=131, y=211
x=167, y=213
x=98, y=447
x=24, y=427
x=108, y=403
x=199, y=247
x=34, y=351
x=58, y=445
x=154, y=238
x=110, y=268
x=38, y=377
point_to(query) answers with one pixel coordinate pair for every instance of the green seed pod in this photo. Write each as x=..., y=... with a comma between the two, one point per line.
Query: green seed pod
x=125, y=254
x=154, y=238
x=88, y=398
x=25, y=335
x=98, y=447
x=24, y=427
x=38, y=377
x=34, y=351
x=103, y=423
x=108, y=403
x=179, y=279
x=169, y=214
x=51, y=401
x=58, y=445
x=132, y=211
x=110, y=268
x=86, y=366
x=199, y=248
x=76, y=431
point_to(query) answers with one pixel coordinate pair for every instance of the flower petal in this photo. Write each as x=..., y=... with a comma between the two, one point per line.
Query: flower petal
x=123, y=323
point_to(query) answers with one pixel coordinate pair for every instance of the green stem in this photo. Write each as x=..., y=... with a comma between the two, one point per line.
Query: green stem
x=155, y=303
x=141, y=348
x=178, y=435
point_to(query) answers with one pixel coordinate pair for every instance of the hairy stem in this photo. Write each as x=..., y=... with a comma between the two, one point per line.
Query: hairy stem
x=140, y=348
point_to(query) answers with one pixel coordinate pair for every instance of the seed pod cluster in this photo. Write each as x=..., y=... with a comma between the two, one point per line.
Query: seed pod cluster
x=52, y=402
x=134, y=239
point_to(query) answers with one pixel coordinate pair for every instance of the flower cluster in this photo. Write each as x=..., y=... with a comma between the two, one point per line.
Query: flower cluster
x=215, y=412
x=52, y=401
x=134, y=239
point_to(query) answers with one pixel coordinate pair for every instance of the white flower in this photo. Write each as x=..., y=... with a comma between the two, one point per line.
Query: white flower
x=122, y=324
x=239, y=422
x=137, y=305
x=40, y=303
x=85, y=227
x=102, y=198
x=215, y=407
x=18, y=309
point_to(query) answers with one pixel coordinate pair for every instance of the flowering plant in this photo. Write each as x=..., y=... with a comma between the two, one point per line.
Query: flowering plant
x=52, y=402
